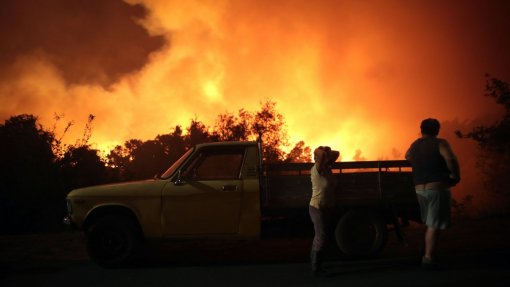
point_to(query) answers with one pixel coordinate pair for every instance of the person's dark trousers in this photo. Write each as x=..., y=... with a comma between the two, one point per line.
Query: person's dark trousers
x=319, y=240
x=319, y=225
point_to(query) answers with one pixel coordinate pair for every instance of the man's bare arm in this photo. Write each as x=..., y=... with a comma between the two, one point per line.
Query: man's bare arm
x=450, y=158
x=408, y=154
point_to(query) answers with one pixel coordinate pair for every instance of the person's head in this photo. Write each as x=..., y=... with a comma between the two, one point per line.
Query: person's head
x=319, y=154
x=325, y=155
x=430, y=127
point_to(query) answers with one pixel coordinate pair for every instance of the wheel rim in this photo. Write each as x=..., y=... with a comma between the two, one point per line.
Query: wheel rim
x=109, y=245
x=359, y=234
x=112, y=243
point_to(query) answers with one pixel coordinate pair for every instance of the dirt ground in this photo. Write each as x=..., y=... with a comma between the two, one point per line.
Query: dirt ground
x=26, y=251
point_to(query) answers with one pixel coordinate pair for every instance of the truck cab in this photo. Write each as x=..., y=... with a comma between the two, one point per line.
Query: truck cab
x=211, y=191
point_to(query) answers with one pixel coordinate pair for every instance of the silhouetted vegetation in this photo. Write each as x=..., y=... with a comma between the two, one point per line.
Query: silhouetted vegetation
x=494, y=143
x=38, y=170
x=28, y=171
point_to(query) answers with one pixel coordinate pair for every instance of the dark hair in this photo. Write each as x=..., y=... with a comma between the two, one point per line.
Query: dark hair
x=430, y=127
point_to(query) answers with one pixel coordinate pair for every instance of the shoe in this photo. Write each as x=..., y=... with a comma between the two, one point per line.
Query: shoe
x=430, y=265
x=321, y=273
x=316, y=260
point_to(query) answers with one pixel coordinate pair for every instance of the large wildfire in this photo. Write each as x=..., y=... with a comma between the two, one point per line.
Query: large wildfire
x=356, y=75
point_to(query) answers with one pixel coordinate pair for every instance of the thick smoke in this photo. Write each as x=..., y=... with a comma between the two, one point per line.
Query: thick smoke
x=87, y=41
x=354, y=75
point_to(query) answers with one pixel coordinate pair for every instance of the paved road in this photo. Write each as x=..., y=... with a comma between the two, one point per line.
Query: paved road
x=474, y=254
x=482, y=269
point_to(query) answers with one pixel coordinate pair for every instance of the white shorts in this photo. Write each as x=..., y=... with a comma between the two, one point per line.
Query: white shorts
x=435, y=206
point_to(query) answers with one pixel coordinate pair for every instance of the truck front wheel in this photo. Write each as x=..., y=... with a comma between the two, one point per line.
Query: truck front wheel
x=112, y=241
x=360, y=234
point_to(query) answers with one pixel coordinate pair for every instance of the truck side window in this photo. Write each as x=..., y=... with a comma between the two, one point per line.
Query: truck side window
x=216, y=164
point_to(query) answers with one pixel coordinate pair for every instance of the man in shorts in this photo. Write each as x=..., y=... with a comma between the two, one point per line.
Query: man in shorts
x=435, y=170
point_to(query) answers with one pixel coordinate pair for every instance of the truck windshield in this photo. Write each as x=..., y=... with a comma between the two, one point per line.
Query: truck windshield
x=176, y=164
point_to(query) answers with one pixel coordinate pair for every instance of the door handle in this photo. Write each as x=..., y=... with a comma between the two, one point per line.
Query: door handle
x=229, y=188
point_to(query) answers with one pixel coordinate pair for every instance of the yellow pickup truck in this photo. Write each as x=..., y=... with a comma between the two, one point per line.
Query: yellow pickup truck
x=223, y=190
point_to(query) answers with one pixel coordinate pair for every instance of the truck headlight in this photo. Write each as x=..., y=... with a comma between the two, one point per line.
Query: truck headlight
x=69, y=206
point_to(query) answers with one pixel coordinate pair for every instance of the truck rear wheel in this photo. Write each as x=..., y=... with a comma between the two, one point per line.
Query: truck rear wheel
x=360, y=234
x=112, y=241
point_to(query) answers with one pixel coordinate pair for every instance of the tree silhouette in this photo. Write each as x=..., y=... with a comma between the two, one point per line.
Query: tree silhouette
x=494, y=143
x=25, y=146
x=82, y=166
x=231, y=128
x=173, y=145
x=300, y=153
x=124, y=159
x=58, y=146
x=148, y=159
x=197, y=133
x=271, y=126
x=27, y=172
x=267, y=123
x=37, y=171
x=138, y=159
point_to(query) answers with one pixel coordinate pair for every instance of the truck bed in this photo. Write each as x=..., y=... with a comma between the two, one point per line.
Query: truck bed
x=371, y=184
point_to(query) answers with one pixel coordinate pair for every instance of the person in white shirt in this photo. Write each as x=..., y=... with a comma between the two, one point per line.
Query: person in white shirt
x=322, y=201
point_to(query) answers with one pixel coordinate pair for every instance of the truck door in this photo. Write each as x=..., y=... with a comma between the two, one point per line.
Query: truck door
x=208, y=199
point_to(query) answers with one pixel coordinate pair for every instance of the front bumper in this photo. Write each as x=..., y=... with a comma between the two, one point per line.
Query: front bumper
x=68, y=222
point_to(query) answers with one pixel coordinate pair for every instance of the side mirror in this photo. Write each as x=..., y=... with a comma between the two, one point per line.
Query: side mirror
x=179, y=180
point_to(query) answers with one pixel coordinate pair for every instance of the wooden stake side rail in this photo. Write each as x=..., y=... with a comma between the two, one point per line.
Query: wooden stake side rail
x=338, y=167
x=363, y=183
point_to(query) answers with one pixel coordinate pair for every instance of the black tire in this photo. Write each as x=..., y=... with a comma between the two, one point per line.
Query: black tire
x=112, y=241
x=360, y=234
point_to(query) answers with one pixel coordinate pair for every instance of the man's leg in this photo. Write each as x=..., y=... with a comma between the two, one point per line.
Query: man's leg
x=431, y=235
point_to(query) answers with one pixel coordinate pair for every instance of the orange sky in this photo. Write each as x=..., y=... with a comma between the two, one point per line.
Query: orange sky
x=356, y=75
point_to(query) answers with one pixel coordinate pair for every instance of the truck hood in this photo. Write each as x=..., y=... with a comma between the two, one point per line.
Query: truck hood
x=134, y=188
